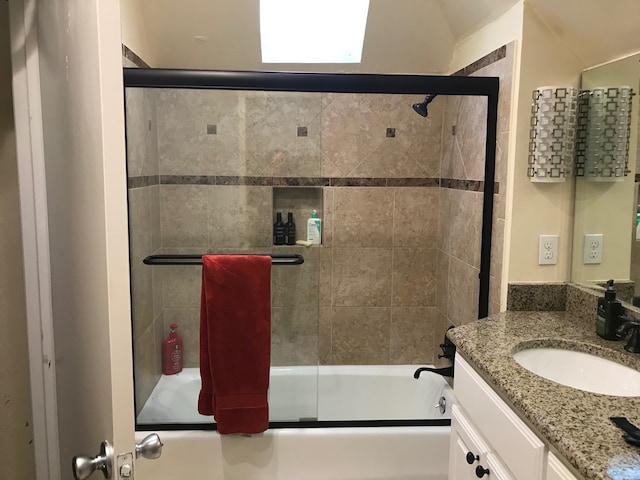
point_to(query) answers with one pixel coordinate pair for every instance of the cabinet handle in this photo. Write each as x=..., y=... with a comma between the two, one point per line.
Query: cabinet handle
x=481, y=471
x=472, y=458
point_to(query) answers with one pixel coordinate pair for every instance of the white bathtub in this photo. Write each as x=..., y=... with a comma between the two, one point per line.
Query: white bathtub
x=334, y=453
x=324, y=393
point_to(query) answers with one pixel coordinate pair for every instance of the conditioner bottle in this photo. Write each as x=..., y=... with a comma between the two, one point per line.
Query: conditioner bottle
x=314, y=229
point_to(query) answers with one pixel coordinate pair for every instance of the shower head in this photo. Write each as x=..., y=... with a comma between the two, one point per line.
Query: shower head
x=421, y=108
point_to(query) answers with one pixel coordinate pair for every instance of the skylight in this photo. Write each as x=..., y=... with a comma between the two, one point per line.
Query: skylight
x=312, y=31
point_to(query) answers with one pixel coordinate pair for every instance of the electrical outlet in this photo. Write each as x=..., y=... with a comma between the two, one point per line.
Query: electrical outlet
x=593, y=245
x=548, y=251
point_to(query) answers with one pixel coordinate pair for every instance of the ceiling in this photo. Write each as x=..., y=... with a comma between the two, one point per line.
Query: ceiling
x=403, y=36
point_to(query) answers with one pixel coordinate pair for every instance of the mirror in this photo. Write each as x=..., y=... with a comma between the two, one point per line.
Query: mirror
x=609, y=208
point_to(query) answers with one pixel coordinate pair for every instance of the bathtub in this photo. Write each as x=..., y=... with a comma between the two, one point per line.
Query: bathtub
x=324, y=393
x=342, y=394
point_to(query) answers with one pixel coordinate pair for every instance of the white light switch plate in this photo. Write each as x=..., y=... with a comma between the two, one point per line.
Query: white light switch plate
x=548, y=252
x=593, y=245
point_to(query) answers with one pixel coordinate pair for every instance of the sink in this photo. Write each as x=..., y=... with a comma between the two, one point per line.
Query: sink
x=580, y=370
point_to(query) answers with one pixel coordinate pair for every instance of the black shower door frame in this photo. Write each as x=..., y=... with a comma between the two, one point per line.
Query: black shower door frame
x=354, y=83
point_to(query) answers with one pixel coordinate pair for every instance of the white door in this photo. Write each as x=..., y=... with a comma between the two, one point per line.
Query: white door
x=74, y=47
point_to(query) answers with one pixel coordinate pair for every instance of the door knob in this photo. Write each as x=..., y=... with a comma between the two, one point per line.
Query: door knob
x=150, y=447
x=84, y=466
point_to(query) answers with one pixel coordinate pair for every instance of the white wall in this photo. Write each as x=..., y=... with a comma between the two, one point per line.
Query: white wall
x=534, y=209
x=500, y=32
x=16, y=451
x=134, y=31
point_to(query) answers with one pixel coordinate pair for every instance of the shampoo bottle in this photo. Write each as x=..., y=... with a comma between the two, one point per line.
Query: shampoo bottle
x=278, y=230
x=172, y=352
x=609, y=309
x=314, y=229
x=290, y=230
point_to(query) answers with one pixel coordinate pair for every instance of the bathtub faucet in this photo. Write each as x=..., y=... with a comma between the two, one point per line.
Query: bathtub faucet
x=445, y=372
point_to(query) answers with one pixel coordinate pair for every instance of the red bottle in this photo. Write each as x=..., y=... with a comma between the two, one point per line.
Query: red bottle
x=172, y=352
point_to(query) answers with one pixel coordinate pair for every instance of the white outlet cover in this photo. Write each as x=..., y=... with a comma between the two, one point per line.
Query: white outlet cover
x=548, y=250
x=593, y=246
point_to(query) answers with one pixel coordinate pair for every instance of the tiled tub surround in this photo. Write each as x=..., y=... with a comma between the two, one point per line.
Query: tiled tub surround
x=203, y=169
x=572, y=422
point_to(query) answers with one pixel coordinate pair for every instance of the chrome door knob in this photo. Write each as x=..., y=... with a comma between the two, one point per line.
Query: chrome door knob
x=83, y=465
x=150, y=447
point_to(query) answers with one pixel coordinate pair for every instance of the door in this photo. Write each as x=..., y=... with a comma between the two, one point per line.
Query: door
x=69, y=68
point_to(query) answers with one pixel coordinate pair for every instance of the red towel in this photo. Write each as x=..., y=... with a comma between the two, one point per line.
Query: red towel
x=235, y=341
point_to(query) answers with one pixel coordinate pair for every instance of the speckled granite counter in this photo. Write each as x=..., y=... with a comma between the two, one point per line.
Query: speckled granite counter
x=575, y=424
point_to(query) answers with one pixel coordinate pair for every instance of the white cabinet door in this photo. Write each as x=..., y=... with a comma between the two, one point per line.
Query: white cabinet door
x=556, y=470
x=467, y=450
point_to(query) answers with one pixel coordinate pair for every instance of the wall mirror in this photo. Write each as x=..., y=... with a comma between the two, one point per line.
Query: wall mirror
x=610, y=208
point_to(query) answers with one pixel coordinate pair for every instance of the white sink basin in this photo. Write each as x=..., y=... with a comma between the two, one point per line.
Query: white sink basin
x=581, y=370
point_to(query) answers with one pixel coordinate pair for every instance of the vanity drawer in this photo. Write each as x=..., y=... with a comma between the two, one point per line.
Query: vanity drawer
x=518, y=447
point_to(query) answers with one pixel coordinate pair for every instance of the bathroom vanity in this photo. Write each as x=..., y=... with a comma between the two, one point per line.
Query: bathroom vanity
x=510, y=423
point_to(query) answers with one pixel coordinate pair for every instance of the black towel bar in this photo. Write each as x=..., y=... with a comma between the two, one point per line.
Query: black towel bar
x=276, y=259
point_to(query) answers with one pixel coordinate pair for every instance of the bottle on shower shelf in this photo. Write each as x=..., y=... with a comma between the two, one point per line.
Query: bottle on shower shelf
x=172, y=353
x=290, y=230
x=278, y=230
x=314, y=229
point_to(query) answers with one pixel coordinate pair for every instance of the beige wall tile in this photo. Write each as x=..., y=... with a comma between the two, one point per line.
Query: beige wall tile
x=471, y=132
x=360, y=336
x=240, y=216
x=462, y=302
x=147, y=366
x=142, y=132
x=154, y=215
x=142, y=299
x=297, y=285
x=363, y=217
x=326, y=276
x=412, y=335
x=328, y=216
x=466, y=226
x=442, y=281
x=185, y=147
x=325, y=336
x=181, y=286
x=414, y=277
x=441, y=326
x=444, y=219
x=361, y=277
x=350, y=132
x=183, y=215
x=389, y=159
x=140, y=224
x=415, y=217
x=294, y=337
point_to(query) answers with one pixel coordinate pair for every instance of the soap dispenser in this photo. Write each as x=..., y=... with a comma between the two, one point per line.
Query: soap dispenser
x=609, y=309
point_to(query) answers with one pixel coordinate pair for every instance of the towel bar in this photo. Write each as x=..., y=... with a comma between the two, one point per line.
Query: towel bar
x=276, y=259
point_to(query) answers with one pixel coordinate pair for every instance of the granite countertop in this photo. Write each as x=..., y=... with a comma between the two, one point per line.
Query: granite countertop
x=575, y=424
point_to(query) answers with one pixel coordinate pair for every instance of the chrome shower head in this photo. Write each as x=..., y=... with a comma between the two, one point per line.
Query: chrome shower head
x=421, y=108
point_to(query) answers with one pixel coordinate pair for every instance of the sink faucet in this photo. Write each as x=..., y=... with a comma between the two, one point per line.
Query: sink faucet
x=633, y=345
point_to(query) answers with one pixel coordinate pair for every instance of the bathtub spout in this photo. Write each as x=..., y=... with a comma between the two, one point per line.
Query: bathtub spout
x=445, y=372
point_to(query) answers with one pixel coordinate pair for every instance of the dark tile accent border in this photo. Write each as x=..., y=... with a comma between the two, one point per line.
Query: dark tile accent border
x=469, y=185
x=488, y=59
x=537, y=296
x=358, y=182
x=147, y=181
x=187, y=180
x=130, y=55
x=413, y=182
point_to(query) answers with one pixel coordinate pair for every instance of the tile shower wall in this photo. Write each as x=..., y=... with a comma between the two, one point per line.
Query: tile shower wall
x=460, y=214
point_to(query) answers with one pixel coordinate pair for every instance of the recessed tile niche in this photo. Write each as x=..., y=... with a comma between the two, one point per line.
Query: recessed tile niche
x=300, y=201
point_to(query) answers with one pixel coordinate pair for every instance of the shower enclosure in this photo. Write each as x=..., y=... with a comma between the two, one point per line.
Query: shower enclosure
x=406, y=206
